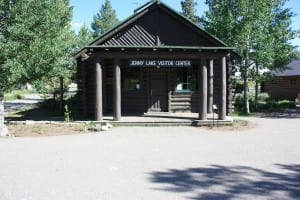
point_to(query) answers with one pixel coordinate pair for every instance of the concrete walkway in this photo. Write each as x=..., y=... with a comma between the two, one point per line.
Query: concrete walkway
x=146, y=163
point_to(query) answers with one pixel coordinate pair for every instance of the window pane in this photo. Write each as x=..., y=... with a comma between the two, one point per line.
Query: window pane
x=131, y=79
x=186, y=80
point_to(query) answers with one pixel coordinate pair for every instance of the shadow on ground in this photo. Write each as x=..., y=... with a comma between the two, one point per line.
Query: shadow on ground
x=286, y=114
x=31, y=111
x=15, y=106
x=233, y=182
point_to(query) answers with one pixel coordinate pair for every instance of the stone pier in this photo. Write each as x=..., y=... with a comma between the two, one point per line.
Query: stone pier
x=3, y=128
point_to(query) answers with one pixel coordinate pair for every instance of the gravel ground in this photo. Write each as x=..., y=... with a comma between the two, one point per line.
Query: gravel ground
x=147, y=163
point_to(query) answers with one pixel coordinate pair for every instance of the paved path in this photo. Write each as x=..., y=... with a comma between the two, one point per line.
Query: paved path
x=19, y=104
x=147, y=163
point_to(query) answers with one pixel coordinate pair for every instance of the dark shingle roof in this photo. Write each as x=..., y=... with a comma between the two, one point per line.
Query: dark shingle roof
x=102, y=40
x=293, y=69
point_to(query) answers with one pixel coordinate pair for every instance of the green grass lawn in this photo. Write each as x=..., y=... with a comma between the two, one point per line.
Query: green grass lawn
x=17, y=94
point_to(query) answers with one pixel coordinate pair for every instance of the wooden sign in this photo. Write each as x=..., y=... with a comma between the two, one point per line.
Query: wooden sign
x=159, y=63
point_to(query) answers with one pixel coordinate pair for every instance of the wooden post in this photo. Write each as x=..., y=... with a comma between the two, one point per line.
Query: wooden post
x=210, y=86
x=202, y=81
x=222, y=107
x=117, y=90
x=98, y=100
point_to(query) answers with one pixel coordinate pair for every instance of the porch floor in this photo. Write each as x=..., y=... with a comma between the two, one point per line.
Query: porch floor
x=165, y=118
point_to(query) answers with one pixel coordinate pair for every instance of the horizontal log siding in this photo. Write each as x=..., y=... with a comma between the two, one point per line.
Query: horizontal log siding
x=109, y=88
x=282, y=88
x=133, y=102
x=230, y=71
x=217, y=79
x=181, y=102
x=80, y=85
x=90, y=88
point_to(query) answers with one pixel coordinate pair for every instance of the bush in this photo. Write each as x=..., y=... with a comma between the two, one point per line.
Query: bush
x=264, y=104
x=263, y=97
x=239, y=102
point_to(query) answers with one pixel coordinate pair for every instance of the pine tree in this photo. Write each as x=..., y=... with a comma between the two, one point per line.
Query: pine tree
x=84, y=37
x=104, y=20
x=188, y=8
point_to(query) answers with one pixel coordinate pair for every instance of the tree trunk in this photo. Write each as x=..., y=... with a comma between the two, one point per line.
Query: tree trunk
x=246, y=91
x=61, y=104
x=256, y=87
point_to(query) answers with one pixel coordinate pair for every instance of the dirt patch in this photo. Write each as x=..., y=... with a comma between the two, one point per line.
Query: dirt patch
x=237, y=125
x=38, y=129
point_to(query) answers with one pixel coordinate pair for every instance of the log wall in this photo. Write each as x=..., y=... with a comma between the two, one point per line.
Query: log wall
x=283, y=87
x=137, y=102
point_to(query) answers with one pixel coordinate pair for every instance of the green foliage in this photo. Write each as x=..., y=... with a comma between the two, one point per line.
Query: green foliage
x=104, y=20
x=188, y=8
x=297, y=54
x=36, y=41
x=259, y=28
x=67, y=114
x=51, y=85
x=84, y=37
x=265, y=104
x=16, y=94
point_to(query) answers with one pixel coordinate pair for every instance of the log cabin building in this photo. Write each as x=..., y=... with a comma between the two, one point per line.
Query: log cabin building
x=285, y=84
x=155, y=61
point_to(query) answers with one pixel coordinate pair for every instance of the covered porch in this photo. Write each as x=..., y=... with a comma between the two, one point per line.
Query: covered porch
x=103, y=92
x=167, y=119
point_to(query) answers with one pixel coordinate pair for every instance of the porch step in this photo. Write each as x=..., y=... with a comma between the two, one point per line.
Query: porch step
x=153, y=124
x=175, y=123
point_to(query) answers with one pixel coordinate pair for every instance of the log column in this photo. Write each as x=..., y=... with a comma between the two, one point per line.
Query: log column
x=117, y=90
x=222, y=107
x=98, y=94
x=202, y=83
x=210, y=86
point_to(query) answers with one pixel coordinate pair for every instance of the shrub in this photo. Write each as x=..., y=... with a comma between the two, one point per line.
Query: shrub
x=239, y=102
x=264, y=104
x=263, y=97
x=67, y=114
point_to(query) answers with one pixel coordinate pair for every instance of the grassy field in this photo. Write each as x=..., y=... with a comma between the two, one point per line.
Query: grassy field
x=17, y=94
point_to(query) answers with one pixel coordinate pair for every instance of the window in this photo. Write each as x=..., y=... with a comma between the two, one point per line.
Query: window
x=186, y=80
x=131, y=79
x=293, y=82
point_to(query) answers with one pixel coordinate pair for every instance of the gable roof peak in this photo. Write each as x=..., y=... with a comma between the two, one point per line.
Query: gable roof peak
x=149, y=3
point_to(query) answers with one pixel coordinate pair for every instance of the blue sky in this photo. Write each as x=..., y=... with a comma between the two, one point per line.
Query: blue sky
x=84, y=10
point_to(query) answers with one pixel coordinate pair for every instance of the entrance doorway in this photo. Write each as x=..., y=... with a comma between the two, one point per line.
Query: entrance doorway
x=158, y=96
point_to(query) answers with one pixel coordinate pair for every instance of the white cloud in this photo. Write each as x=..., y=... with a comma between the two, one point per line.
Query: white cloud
x=76, y=25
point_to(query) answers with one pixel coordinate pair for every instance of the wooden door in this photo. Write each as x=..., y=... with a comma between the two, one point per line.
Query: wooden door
x=158, y=91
